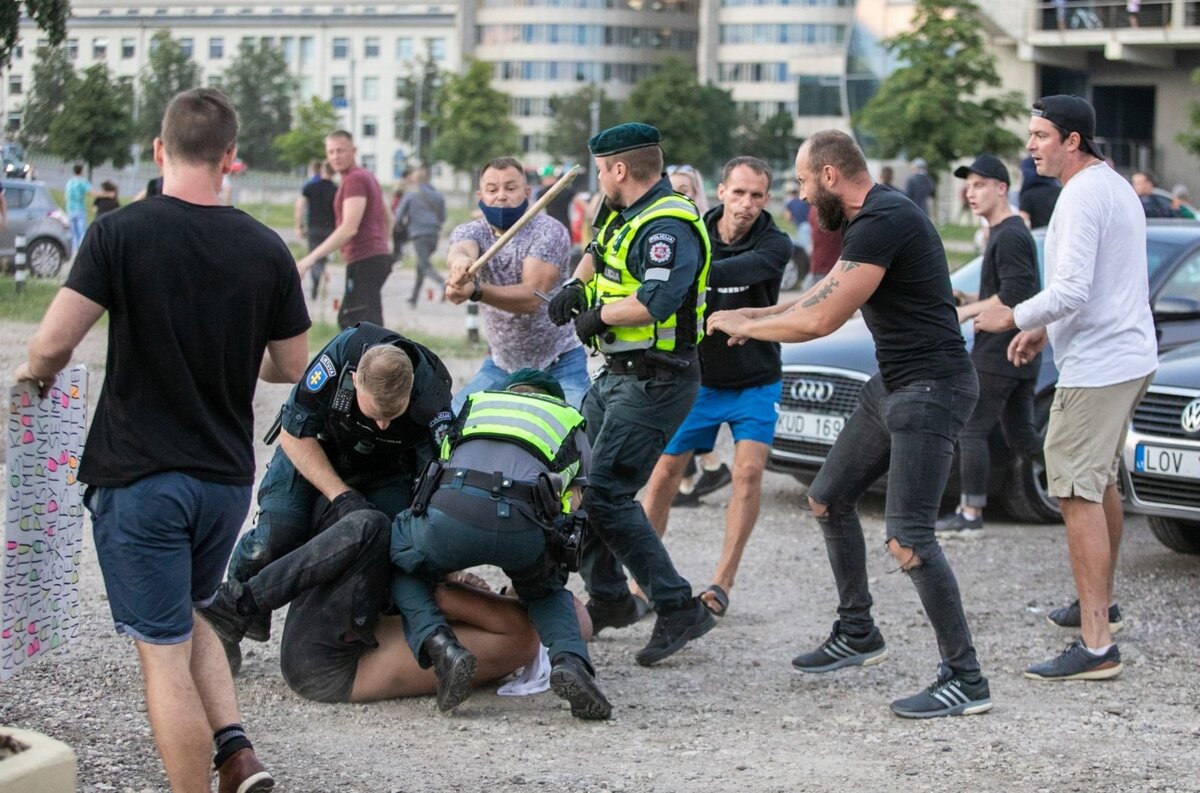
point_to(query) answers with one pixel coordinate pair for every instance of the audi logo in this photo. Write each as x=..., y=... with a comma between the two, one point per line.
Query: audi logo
x=1190, y=420
x=815, y=390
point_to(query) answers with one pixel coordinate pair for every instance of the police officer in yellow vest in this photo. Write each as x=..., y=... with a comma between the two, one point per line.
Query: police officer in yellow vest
x=501, y=494
x=637, y=298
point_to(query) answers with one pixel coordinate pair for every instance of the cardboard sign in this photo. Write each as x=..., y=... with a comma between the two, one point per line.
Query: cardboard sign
x=43, y=533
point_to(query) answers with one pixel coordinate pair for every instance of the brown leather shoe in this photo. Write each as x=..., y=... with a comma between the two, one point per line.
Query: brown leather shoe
x=243, y=773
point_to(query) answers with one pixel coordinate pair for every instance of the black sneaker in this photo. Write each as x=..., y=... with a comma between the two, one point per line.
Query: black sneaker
x=949, y=695
x=842, y=650
x=616, y=613
x=683, y=499
x=571, y=680
x=230, y=627
x=673, y=629
x=1069, y=617
x=1077, y=662
x=710, y=481
x=957, y=524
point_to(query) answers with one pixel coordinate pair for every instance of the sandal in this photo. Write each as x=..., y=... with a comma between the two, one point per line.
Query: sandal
x=720, y=600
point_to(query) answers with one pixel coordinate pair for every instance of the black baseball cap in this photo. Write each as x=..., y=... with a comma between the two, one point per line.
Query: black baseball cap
x=984, y=165
x=1072, y=114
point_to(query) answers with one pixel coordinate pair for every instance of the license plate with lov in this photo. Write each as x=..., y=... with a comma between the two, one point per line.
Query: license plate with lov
x=1166, y=461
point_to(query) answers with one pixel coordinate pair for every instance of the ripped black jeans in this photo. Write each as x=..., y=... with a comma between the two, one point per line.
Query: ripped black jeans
x=908, y=433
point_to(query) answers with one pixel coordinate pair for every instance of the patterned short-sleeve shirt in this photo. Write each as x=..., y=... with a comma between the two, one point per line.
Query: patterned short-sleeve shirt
x=522, y=340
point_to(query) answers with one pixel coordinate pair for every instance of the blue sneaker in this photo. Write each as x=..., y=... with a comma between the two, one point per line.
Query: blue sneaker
x=841, y=650
x=949, y=695
x=1077, y=662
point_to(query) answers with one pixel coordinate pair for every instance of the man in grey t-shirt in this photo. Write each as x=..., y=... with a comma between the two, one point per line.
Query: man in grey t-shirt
x=423, y=210
x=519, y=332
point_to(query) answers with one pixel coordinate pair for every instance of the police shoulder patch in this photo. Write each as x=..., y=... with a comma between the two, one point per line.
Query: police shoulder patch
x=327, y=364
x=661, y=252
x=440, y=426
x=316, y=378
x=661, y=237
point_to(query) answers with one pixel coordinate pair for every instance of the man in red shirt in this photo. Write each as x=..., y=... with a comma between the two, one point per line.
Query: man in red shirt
x=826, y=247
x=363, y=233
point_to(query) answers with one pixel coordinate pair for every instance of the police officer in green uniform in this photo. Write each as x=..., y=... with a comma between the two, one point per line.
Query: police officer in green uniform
x=638, y=298
x=501, y=494
x=354, y=433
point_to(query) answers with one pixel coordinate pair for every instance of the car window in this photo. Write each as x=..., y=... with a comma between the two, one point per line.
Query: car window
x=1158, y=253
x=1181, y=292
x=18, y=197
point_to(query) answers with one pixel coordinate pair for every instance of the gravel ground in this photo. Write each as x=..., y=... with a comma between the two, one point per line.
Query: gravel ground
x=727, y=713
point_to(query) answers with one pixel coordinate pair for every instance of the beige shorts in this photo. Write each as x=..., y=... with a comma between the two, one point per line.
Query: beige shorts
x=1085, y=437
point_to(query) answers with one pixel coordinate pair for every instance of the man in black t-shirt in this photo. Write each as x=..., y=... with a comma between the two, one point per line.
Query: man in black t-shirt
x=1010, y=276
x=169, y=460
x=893, y=268
x=314, y=215
x=741, y=387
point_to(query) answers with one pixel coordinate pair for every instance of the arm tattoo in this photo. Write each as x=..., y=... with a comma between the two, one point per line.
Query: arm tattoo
x=847, y=266
x=825, y=292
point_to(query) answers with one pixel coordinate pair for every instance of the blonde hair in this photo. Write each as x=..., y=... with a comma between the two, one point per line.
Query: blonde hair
x=386, y=372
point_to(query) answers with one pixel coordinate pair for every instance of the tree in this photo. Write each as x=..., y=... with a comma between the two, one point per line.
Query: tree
x=261, y=87
x=49, y=15
x=1190, y=139
x=167, y=72
x=418, y=96
x=305, y=141
x=571, y=122
x=53, y=79
x=96, y=122
x=473, y=126
x=928, y=107
x=695, y=121
x=771, y=140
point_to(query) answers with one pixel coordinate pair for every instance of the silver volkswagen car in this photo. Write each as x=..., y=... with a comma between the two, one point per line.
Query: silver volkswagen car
x=1162, y=452
x=32, y=213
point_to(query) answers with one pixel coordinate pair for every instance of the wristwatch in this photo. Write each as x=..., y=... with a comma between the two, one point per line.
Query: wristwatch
x=477, y=295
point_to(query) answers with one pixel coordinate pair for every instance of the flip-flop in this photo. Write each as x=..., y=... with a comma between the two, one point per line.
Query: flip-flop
x=720, y=596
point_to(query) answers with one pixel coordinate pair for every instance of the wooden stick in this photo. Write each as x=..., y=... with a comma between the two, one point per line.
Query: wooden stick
x=529, y=215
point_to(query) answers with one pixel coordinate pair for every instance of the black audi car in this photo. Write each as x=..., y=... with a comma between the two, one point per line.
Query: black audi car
x=822, y=378
x=1161, y=474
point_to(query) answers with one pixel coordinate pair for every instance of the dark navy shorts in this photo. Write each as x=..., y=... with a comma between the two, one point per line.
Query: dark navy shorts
x=749, y=412
x=163, y=543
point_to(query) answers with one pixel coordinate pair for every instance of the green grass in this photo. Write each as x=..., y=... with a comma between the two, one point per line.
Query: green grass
x=322, y=331
x=954, y=233
x=31, y=304
x=957, y=259
x=277, y=216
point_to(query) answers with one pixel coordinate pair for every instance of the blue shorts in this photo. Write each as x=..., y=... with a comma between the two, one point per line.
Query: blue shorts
x=749, y=412
x=163, y=542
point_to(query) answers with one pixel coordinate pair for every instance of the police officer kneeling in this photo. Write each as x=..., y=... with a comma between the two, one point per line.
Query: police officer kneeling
x=501, y=494
x=365, y=420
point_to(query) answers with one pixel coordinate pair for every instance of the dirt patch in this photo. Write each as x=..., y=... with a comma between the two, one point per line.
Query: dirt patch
x=728, y=713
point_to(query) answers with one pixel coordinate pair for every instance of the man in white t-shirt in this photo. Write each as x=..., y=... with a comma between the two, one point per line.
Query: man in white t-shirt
x=1095, y=312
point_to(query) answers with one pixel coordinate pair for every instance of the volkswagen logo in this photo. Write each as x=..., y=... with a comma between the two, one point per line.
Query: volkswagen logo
x=822, y=391
x=1190, y=420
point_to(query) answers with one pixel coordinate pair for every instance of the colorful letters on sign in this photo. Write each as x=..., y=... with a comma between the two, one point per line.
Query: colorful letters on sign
x=43, y=533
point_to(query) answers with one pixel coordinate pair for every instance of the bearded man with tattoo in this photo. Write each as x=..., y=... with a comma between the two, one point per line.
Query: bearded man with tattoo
x=892, y=268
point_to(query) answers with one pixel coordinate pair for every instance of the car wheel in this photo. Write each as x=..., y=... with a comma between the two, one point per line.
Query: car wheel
x=1027, y=497
x=45, y=257
x=1178, y=535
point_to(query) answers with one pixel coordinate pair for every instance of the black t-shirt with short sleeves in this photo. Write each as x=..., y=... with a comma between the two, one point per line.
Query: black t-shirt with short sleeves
x=320, y=196
x=1010, y=270
x=193, y=295
x=911, y=314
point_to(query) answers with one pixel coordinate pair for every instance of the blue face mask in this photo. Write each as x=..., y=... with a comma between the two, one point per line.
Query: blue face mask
x=503, y=217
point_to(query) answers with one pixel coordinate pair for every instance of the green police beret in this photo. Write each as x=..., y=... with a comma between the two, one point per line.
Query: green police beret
x=623, y=137
x=537, y=379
